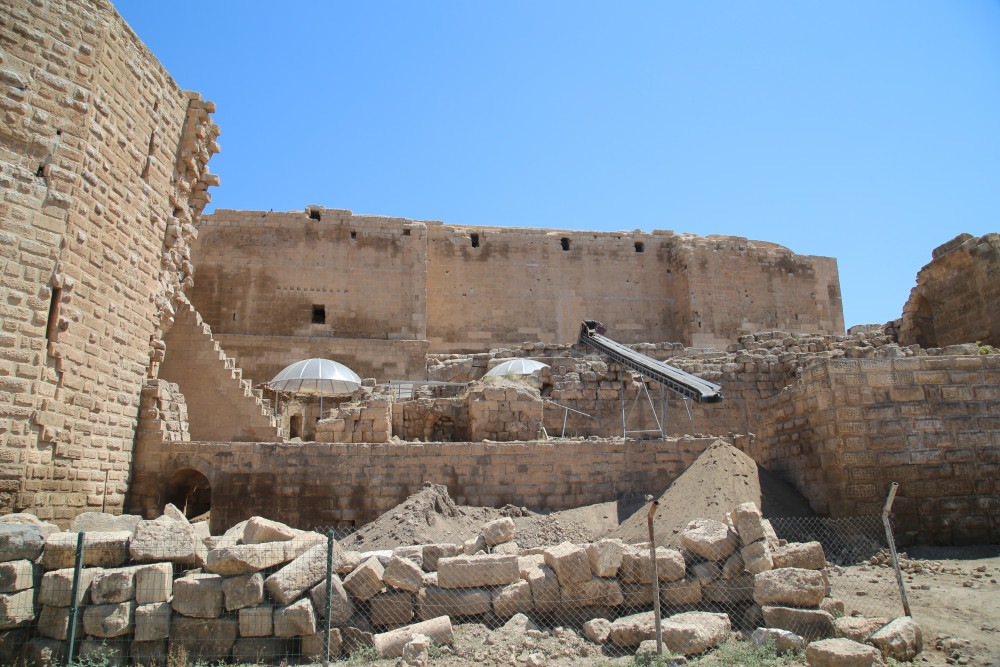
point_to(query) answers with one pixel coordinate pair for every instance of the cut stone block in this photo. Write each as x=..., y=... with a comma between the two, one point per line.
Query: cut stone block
x=544, y=588
x=637, y=567
x=507, y=549
x=632, y=630
x=710, y=539
x=695, y=631
x=706, y=571
x=404, y=573
x=857, y=628
x=245, y=558
x=257, y=621
x=245, y=590
x=434, y=552
x=789, y=587
x=99, y=549
x=21, y=542
x=392, y=608
x=681, y=592
x=301, y=574
x=341, y=606
x=733, y=567
x=366, y=581
x=109, y=620
x=833, y=605
x=805, y=555
x=201, y=638
x=513, y=599
x=17, y=575
x=103, y=522
x=811, y=624
x=749, y=523
x=154, y=583
x=295, y=620
x=53, y=622
x=152, y=621
x=113, y=585
x=757, y=557
x=198, y=595
x=413, y=553
x=390, y=644
x=312, y=646
x=595, y=592
x=474, y=545
x=900, y=639
x=57, y=587
x=605, y=557
x=637, y=595
x=259, y=530
x=569, y=562
x=164, y=539
x=433, y=602
x=479, y=570
x=729, y=590
x=499, y=531
x=783, y=640
x=842, y=653
x=597, y=630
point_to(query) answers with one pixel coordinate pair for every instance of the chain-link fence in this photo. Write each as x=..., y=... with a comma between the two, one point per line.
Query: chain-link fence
x=163, y=594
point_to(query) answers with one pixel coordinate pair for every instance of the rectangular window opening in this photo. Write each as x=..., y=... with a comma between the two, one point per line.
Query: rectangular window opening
x=319, y=315
x=354, y=234
x=475, y=240
x=314, y=214
x=640, y=246
x=406, y=232
x=565, y=243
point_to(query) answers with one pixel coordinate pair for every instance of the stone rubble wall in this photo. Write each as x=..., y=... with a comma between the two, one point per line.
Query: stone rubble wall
x=103, y=170
x=368, y=421
x=504, y=411
x=221, y=404
x=850, y=427
x=957, y=296
x=261, y=590
x=163, y=415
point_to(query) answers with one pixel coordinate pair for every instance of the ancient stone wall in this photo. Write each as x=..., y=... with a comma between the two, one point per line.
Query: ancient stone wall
x=850, y=427
x=313, y=484
x=103, y=166
x=957, y=297
x=504, y=411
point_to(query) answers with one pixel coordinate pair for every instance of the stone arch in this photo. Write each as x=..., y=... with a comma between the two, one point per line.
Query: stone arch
x=189, y=490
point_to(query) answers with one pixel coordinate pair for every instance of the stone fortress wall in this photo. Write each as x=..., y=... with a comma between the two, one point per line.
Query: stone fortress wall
x=103, y=169
x=391, y=289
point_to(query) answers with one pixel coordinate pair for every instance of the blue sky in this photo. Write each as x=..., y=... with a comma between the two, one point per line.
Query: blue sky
x=866, y=131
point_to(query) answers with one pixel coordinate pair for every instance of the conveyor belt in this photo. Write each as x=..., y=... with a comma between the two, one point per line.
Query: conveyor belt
x=674, y=379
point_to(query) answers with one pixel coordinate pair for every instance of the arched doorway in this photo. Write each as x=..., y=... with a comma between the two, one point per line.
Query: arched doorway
x=188, y=490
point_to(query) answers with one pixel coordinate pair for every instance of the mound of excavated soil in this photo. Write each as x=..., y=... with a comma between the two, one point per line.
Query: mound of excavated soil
x=719, y=480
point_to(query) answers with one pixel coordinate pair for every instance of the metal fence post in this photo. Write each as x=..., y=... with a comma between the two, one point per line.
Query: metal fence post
x=73, y=606
x=656, y=578
x=328, y=605
x=892, y=547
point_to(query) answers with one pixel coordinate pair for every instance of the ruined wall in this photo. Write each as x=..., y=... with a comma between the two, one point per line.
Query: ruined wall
x=850, y=427
x=957, y=297
x=308, y=485
x=102, y=163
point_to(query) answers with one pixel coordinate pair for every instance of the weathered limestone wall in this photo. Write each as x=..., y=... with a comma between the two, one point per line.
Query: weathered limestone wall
x=313, y=484
x=957, y=297
x=504, y=411
x=850, y=427
x=102, y=163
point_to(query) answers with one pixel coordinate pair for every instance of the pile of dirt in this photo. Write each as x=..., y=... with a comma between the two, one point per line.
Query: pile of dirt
x=721, y=478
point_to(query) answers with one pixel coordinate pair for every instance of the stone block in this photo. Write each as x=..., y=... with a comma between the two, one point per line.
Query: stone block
x=596, y=591
x=710, y=539
x=749, y=523
x=259, y=530
x=499, y=531
x=113, y=585
x=245, y=558
x=479, y=570
x=544, y=588
x=109, y=620
x=632, y=630
x=390, y=644
x=695, y=632
x=605, y=557
x=392, y=608
x=782, y=640
x=149, y=654
x=729, y=591
x=312, y=646
x=301, y=574
x=154, y=583
x=245, y=590
x=842, y=653
x=433, y=552
x=41, y=652
x=597, y=630
x=508, y=548
x=198, y=595
x=341, y=606
x=256, y=621
x=733, y=567
x=164, y=539
x=706, y=571
x=204, y=639
x=103, y=522
x=57, y=587
x=757, y=557
x=434, y=602
x=99, y=549
x=17, y=575
x=295, y=620
x=901, y=639
x=404, y=573
x=474, y=545
x=21, y=542
x=681, y=592
x=152, y=621
x=804, y=555
x=413, y=553
x=857, y=628
x=811, y=624
x=513, y=599
x=53, y=622
x=569, y=562
x=366, y=581
x=790, y=586
x=637, y=595
x=262, y=650
x=637, y=567
x=833, y=605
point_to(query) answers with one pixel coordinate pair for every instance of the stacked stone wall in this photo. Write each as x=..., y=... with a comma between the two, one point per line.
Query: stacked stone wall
x=100, y=187
x=850, y=427
x=504, y=411
x=370, y=421
x=313, y=484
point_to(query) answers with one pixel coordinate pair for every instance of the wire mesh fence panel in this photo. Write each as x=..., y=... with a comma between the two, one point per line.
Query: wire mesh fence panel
x=263, y=593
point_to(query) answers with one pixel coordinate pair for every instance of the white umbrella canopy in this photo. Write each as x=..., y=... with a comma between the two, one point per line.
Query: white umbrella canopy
x=316, y=376
x=515, y=367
